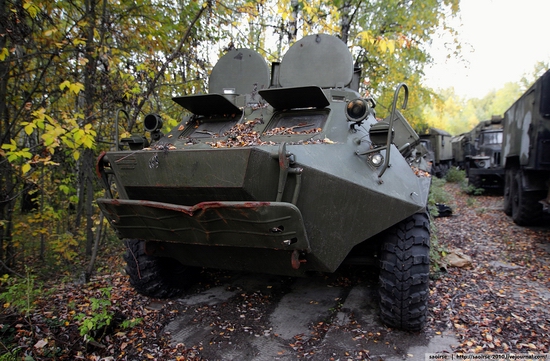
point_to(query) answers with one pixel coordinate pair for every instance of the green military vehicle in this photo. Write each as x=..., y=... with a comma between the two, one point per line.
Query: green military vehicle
x=461, y=146
x=526, y=154
x=438, y=143
x=285, y=171
x=479, y=153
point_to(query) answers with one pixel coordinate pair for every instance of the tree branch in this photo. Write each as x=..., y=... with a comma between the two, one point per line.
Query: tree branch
x=169, y=59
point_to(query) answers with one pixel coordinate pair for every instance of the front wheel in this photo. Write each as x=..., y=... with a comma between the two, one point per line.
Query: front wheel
x=509, y=194
x=404, y=273
x=156, y=277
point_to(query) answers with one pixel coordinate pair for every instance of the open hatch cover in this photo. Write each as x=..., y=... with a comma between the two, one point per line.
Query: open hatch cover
x=295, y=97
x=207, y=104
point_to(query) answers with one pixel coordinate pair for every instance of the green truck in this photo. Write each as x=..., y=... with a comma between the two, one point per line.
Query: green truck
x=479, y=153
x=285, y=171
x=526, y=154
x=438, y=144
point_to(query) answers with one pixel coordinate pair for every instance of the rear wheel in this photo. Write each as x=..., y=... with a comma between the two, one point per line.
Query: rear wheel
x=156, y=277
x=404, y=273
x=526, y=209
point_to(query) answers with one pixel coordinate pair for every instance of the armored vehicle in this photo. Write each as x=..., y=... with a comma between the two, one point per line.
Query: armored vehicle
x=479, y=153
x=526, y=154
x=285, y=172
x=438, y=143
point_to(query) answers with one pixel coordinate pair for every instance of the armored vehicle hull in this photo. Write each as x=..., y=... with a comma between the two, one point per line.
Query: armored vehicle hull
x=284, y=179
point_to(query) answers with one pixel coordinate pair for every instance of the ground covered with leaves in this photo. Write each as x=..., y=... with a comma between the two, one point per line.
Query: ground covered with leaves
x=497, y=304
x=500, y=302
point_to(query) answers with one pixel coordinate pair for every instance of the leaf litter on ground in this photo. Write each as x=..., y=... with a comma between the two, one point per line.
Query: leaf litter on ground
x=497, y=305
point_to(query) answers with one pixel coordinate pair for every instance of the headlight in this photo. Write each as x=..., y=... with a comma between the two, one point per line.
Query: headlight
x=357, y=110
x=152, y=122
x=376, y=159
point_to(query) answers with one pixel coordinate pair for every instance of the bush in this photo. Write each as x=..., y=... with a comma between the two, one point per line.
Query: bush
x=437, y=193
x=471, y=189
x=20, y=295
x=455, y=175
x=437, y=250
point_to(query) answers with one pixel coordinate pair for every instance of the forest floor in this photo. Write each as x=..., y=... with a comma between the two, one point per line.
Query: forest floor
x=498, y=304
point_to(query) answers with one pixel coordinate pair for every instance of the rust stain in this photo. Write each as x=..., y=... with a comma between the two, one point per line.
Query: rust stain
x=190, y=210
x=295, y=259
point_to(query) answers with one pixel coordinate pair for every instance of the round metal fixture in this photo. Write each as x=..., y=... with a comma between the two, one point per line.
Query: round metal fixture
x=376, y=159
x=357, y=110
x=152, y=122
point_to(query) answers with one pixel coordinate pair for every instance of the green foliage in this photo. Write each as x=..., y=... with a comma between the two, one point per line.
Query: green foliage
x=437, y=250
x=471, y=189
x=131, y=323
x=457, y=115
x=455, y=175
x=10, y=355
x=93, y=324
x=100, y=316
x=19, y=295
x=437, y=193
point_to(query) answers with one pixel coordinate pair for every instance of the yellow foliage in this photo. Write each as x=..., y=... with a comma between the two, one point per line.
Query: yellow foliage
x=25, y=168
x=4, y=53
x=64, y=247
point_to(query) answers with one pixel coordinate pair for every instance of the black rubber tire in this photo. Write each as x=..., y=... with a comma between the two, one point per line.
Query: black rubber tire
x=404, y=273
x=526, y=209
x=508, y=204
x=475, y=181
x=156, y=277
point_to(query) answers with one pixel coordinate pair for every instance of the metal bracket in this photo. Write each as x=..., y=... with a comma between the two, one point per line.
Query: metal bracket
x=284, y=168
x=392, y=117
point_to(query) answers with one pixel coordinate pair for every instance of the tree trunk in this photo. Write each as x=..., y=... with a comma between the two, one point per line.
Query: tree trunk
x=5, y=168
x=95, y=249
x=345, y=22
x=88, y=161
x=89, y=117
x=293, y=26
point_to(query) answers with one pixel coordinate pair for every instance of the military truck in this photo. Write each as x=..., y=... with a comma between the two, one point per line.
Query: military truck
x=285, y=171
x=438, y=143
x=461, y=147
x=478, y=152
x=526, y=154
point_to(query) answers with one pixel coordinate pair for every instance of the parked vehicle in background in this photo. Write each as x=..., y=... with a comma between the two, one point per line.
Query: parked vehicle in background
x=288, y=173
x=438, y=143
x=479, y=152
x=526, y=154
